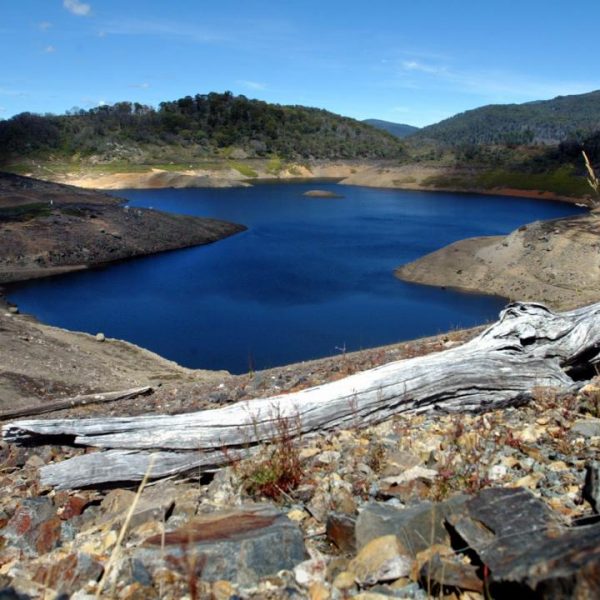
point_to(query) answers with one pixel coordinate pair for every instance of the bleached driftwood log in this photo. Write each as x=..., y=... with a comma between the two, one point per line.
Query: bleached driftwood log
x=74, y=401
x=529, y=347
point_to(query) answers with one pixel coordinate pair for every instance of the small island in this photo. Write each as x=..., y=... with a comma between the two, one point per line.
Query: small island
x=321, y=194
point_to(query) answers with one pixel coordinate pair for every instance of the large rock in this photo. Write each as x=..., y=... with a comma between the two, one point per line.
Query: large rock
x=522, y=542
x=417, y=527
x=239, y=545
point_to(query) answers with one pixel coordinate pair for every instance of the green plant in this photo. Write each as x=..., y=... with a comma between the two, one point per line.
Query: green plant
x=25, y=212
x=243, y=168
x=275, y=165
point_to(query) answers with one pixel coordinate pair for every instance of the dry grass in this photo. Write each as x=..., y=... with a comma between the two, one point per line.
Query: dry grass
x=592, y=180
x=277, y=469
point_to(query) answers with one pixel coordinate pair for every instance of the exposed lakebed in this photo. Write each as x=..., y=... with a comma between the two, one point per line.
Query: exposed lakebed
x=310, y=277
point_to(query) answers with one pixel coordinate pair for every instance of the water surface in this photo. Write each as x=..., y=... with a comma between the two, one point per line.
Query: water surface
x=311, y=277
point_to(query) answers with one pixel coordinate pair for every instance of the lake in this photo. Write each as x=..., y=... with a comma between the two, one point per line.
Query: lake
x=311, y=277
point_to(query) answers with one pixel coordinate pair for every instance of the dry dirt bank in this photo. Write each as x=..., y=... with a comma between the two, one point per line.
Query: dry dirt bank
x=556, y=262
x=225, y=176
x=418, y=177
x=380, y=174
x=47, y=228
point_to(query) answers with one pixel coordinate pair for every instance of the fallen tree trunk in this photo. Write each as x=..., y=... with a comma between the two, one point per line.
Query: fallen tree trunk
x=529, y=347
x=83, y=400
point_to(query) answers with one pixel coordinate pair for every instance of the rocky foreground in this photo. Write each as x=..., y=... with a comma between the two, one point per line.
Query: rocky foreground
x=48, y=228
x=460, y=506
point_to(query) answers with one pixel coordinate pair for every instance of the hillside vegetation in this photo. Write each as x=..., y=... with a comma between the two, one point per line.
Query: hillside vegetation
x=541, y=122
x=400, y=130
x=199, y=126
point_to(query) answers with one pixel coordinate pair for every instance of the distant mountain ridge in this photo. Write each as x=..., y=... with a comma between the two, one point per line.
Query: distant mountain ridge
x=538, y=122
x=203, y=125
x=400, y=130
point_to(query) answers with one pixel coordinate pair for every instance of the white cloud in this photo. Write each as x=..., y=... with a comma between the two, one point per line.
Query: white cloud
x=44, y=25
x=253, y=85
x=415, y=65
x=497, y=86
x=166, y=29
x=10, y=92
x=2, y=109
x=49, y=49
x=81, y=9
x=141, y=86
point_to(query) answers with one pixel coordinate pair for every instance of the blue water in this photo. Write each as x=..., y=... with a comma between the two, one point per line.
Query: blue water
x=309, y=278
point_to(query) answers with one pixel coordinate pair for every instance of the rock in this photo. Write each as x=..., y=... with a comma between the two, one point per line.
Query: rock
x=70, y=573
x=382, y=559
x=591, y=487
x=411, y=492
x=320, y=505
x=398, y=462
x=411, y=474
x=342, y=501
x=297, y=515
x=238, y=545
x=222, y=590
x=153, y=505
x=318, y=591
x=340, y=531
x=497, y=472
x=417, y=527
x=344, y=581
x=530, y=433
x=13, y=310
x=34, y=528
x=72, y=507
x=329, y=457
x=10, y=593
x=310, y=571
x=399, y=589
x=445, y=572
x=523, y=542
x=587, y=427
x=100, y=337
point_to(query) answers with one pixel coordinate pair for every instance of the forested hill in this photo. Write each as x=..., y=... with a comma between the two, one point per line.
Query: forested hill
x=540, y=122
x=205, y=124
x=400, y=130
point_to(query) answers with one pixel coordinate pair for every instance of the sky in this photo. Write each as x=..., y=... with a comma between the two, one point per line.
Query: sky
x=398, y=60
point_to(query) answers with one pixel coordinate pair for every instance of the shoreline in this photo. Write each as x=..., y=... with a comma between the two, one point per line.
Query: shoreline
x=382, y=175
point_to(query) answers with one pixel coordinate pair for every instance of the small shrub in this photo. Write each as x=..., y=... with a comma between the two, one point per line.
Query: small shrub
x=277, y=470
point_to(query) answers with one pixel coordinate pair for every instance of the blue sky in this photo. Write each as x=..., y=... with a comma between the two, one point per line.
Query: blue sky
x=397, y=60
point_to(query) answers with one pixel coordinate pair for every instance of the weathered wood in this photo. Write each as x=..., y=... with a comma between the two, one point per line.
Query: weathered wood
x=529, y=347
x=82, y=400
